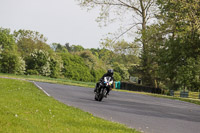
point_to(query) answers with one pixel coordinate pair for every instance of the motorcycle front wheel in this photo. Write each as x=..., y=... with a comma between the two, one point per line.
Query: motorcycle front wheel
x=100, y=94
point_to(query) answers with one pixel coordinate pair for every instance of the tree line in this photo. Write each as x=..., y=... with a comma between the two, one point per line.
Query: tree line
x=26, y=52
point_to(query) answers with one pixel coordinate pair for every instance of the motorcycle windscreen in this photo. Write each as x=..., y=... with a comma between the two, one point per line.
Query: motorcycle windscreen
x=107, y=79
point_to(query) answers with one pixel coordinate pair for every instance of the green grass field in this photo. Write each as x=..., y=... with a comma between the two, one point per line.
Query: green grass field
x=24, y=108
x=51, y=80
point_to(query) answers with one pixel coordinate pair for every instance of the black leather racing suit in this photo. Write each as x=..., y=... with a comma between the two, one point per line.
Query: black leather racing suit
x=101, y=81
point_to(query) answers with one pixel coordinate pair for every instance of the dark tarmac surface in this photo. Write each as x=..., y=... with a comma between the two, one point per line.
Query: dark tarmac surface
x=144, y=113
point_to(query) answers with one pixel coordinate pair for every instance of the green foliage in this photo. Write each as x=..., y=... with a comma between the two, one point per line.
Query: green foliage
x=106, y=56
x=82, y=65
x=21, y=66
x=10, y=60
x=97, y=74
x=75, y=68
x=95, y=52
x=6, y=40
x=89, y=58
x=182, y=16
x=180, y=67
x=32, y=72
x=27, y=41
x=174, y=45
x=117, y=76
x=76, y=48
x=39, y=60
x=56, y=66
x=143, y=11
x=121, y=70
x=57, y=47
x=124, y=55
x=79, y=64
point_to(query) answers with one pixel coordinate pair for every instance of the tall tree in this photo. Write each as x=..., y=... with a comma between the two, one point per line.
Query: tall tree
x=178, y=56
x=10, y=60
x=76, y=48
x=27, y=41
x=38, y=61
x=139, y=13
x=6, y=40
x=57, y=47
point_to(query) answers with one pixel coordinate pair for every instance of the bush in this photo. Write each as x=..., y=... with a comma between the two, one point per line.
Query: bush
x=97, y=74
x=10, y=62
x=56, y=66
x=21, y=67
x=39, y=61
x=75, y=68
x=117, y=76
x=32, y=72
x=121, y=70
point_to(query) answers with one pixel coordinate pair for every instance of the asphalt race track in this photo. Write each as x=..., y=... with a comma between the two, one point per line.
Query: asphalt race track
x=145, y=113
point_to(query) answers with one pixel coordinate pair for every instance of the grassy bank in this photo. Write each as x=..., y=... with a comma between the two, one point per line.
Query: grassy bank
x=51, y=80
x=25, y=108
x=175, y=97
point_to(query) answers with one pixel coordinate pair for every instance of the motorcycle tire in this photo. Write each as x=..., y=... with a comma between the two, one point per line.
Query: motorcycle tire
x=102, y=94
x=96, y=97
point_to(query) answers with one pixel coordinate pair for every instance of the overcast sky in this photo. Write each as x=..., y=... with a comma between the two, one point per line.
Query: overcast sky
x=60, y=21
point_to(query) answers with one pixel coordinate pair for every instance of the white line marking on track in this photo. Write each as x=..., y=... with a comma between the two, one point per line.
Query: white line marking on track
x=41, y=89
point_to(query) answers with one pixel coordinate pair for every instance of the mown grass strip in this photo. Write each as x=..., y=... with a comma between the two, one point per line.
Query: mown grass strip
x=195, y=101
x=24, y=108
x=51, y=80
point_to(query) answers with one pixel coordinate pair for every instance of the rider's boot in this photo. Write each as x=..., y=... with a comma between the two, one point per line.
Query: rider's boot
x=107, y=93
x=95, y=90
x=96, y=87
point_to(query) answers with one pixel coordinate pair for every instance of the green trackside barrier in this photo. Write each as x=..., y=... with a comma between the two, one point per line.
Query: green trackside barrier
x=117, y=85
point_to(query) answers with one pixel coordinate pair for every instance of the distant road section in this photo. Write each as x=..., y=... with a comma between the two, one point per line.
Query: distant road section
x=145, y=113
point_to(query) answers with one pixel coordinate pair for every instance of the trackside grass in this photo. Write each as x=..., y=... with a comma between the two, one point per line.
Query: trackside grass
x=24, y=108
x=195, y=101
x=50, y=80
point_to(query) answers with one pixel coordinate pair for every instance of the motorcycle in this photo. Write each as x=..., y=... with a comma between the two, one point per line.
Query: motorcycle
x=103, y=88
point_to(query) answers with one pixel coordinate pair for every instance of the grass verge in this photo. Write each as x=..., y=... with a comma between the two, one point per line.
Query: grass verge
x=195, y=101
x=51, y=80
x=25, y=108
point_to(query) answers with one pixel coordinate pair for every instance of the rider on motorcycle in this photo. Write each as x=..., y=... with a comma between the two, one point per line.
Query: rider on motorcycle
x=108, y=74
